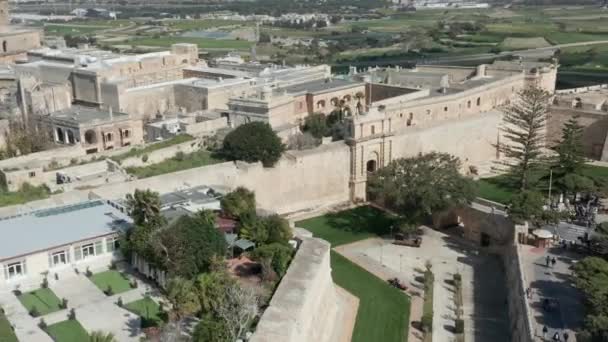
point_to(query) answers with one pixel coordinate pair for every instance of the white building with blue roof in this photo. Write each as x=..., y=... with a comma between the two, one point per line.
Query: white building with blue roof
x=48, y=241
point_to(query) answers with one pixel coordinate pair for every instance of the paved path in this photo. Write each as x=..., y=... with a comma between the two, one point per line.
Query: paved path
x=484, y=291
x=26, y=327
x=554, y=283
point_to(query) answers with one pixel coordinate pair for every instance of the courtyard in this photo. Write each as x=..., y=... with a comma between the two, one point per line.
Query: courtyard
x=362, y=254
x=87, y=301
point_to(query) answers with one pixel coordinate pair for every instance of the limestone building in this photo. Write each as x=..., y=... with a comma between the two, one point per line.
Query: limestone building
x=15, y=41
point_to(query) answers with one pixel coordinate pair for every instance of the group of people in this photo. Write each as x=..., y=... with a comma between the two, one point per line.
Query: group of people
x=550, y=261
x=556, y=336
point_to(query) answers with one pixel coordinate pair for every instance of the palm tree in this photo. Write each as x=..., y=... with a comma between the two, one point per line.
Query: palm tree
x=144, y=207
x=359, y=96
x=181, y=293
x=100, y=336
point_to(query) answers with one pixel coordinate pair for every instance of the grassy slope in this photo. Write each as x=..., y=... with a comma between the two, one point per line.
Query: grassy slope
x=44, y=300
x=174, y=164
x=383, y=311
x=111, y=278
x=68, y=331
x=26, y=194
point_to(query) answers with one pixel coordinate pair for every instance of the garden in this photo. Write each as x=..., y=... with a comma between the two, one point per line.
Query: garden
x=181, y=161
x=111, y=282
x=6, y=330
x=383, y=312
x=67, y=331
x=151, y=313
x=40, y=302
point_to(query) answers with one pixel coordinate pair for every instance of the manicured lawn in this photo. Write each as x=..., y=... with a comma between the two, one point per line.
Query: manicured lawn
x=148, y=310
x=177, y=163
x=111, y=278
x=500, y=189
x=44, y=300
x=383, y=313
x=68, y=331
x=349, y=225
x=6, y=332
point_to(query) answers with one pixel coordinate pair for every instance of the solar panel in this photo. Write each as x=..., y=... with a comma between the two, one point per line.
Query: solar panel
x=67, y=208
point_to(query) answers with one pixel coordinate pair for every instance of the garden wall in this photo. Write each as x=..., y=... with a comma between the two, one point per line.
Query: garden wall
x=306, y=306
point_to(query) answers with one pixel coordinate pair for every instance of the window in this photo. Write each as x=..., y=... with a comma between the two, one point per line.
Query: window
x=428, y=112
x=478, y=101
x=13, y=270
x=87, y=250
x=109, y=137
x=373, y=129
x=59, y=258
x=112, y=244
x=32, y=174
x=469, y=104
x=125, y=133
x=445, y=109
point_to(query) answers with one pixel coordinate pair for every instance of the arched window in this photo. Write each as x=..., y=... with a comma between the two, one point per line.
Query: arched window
x=90, y=137
x=4, y=48
x=371, y=166
x=478, y=101
x=469, y=104
x=320, y=104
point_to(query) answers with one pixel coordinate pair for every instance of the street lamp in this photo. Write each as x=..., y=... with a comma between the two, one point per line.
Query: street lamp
x=400, y=255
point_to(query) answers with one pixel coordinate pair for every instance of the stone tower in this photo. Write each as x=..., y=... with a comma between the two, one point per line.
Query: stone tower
x=4, y=14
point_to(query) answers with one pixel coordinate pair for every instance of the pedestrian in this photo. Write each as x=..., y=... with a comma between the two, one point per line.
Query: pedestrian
x=545, y=331
x=553, y=261
x=556, y=336
x=566, y=336
x=528, y=291
x=548, y=260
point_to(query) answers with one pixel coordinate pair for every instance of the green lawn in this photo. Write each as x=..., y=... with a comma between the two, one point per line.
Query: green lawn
x=383, y=312
x=203, y=43
x=201, y=24
x=500, y=189
x=111, y=278
x=177, y=163
x=349, y=225
x=68, y=331
x=148, y=310
x=44, y=300
x=6, y=332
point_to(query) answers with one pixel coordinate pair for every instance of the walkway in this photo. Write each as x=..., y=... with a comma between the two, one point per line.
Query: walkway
x=483, y=282
x=555, y=284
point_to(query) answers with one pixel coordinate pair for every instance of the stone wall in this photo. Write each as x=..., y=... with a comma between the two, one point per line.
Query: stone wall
x=520, y=316
x=304, y=306
x=595, y=125
x=162, y=154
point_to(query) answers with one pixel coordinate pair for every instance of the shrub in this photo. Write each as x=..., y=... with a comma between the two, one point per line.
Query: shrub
x=457, y=279
x=179, y=156
x=133, y=284
x=119, y=302
x=427, y=322
x=112, y=265
x=88, y=273
x=76, y=271
x=42, y=324
x=72, y=314
x=316, y=125
x=144, y=158
x=45, y=283
x=34, y=311
x=64, y=303
x=459, y=326
x=17, y=292
x=109, y=291
x=278, y=254
x=253, y=142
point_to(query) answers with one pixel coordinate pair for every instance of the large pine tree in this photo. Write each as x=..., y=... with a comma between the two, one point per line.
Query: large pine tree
x=523, y=127
x=570, y=154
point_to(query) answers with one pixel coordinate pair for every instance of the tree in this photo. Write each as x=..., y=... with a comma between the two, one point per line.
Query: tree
x=239, y=203
x=570, y=159
x=523, y=125
x=266, y=230
x=188, y=246
x=526, y=205
x=100, y=336
x=210, y=289
x=279, y=256
x=22, y=139
x=210, y=329
x=144, y=208
x=238, y=310
x=316, y=124
x=253, y=142
x=182, y=296
x=591, y=277
x=419, y=186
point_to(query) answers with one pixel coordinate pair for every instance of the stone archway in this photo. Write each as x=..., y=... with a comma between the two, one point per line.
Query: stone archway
x=371, y=165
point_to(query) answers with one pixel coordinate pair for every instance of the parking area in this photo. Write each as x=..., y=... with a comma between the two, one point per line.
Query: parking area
x=93, y=309
x=484, y=289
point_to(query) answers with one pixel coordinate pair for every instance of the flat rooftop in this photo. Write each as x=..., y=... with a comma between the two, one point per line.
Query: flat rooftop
x=48, y=228
x=320, y=86
x=87, y=115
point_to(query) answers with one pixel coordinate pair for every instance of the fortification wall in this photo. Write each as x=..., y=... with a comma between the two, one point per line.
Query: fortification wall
x=305, y=305
x=520, y=316
x=594, y=133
